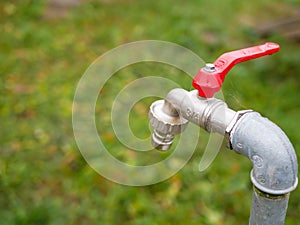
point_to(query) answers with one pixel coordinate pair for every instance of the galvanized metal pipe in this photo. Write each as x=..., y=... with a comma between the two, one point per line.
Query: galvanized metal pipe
x=268, y=209
x=275, y=166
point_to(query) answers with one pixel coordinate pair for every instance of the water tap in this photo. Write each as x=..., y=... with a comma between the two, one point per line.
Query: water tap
x=164, y=115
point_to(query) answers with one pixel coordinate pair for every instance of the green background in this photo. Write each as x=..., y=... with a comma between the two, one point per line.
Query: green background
x=44, y=51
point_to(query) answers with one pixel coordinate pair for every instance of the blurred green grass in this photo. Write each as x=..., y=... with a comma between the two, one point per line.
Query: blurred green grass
x=44, y=179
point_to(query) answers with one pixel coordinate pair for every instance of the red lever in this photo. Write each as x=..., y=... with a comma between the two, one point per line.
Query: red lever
x=210, y=78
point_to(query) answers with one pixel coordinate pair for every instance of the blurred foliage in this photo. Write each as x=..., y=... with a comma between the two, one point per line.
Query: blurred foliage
x=43, y=177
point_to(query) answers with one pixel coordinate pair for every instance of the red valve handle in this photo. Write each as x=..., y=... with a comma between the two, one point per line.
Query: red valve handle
x=210, y=78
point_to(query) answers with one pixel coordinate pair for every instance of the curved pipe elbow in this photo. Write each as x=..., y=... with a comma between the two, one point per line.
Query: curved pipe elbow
x=275, y=166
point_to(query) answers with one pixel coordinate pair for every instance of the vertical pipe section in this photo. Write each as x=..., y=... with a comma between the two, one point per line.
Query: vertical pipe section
x=268, y=209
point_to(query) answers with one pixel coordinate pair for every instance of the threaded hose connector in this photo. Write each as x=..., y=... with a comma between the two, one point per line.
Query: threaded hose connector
x=165, y=126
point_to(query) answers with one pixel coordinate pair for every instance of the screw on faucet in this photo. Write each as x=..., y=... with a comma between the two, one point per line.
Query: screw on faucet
x=209, y=67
